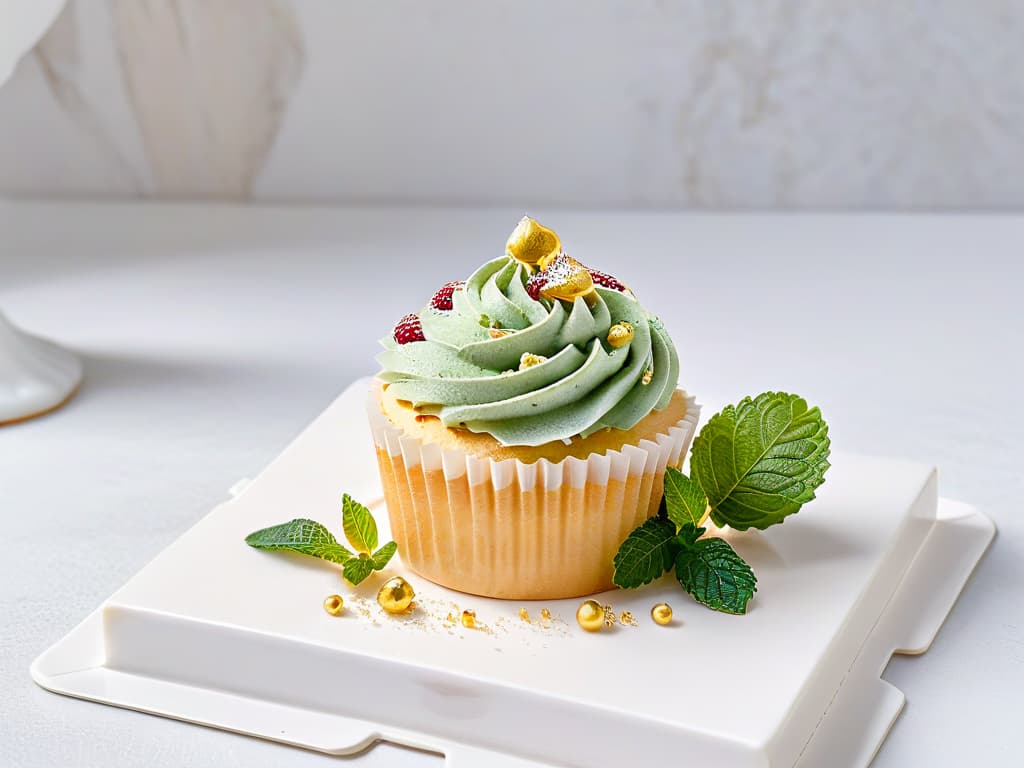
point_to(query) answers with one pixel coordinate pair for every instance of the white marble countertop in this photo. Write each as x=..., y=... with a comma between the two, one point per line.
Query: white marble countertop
x=211, y=335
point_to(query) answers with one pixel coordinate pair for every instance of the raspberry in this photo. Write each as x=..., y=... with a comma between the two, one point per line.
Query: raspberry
x=409, y=329
x=606, y=281
x=534, y=284
x=443, y=298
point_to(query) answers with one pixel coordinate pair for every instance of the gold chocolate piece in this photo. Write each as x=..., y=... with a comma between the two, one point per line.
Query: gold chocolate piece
x=531, y=241
x=396, y=595
x=334, y=604
x=565, y=279
x=620, y=334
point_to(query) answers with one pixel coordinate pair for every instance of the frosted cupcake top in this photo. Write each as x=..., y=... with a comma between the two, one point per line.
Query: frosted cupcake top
x=533, y=347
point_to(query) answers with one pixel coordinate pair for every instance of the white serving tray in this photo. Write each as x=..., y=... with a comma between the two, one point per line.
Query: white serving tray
x=217, y=633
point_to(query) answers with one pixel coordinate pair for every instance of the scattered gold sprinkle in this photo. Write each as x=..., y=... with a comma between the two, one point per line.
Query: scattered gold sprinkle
x=662, y=614
x=545, y=614
x=528, y=360
x=469, y=619
x=590, y=615
x=396, y=595
x=524, y=615
x=497, y=333
x=648, y=375
x=334, y=604
x=620, y=334
x=627, y=618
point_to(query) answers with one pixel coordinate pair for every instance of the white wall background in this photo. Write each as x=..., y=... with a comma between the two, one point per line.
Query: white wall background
x=721, y=103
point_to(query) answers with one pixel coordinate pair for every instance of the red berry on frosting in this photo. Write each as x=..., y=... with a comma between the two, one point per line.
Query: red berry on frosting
x=606, y=281
x=534, y=284
x=409, y=329
x=443, y=298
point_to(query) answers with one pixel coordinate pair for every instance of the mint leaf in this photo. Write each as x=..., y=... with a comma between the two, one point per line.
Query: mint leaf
x=360, y=527
x=685, y=502
x=307, y=537
x=358, y=568
x=383, y=555
x=646, y=553
x=761, y=460
x=714, y=574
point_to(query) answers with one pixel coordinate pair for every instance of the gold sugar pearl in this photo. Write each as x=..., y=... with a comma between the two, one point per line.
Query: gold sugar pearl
x=528, y=360
x=648, y=375
x=334, y=604
x=524, y=615
x=469, y=619
x=530, y=242
x=545, y=614
x=662, y=614
x=620, y=334
x=590, y=615
x=396, y=595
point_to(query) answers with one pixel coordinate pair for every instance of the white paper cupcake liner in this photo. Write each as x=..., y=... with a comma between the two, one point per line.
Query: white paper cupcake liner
x=539, y=530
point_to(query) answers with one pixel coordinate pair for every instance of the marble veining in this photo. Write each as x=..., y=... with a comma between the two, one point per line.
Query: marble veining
x=706, y=103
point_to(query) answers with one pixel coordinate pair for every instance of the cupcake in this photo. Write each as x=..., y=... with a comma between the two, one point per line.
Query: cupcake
x=523, y=421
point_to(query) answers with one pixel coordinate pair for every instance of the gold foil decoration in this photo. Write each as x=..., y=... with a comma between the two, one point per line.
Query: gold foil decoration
x=528, y=360
x=530, y=242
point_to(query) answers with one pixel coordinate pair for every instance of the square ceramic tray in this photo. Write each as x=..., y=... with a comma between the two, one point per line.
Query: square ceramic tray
x=871, y=569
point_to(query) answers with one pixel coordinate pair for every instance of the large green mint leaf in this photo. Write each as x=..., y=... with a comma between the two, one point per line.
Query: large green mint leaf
x=383, y=555
x=646, y=553
x=360, y=527
x=307, y=537
x=358, y=568
x=761, y=460
x=715, y=575
x=685, y=501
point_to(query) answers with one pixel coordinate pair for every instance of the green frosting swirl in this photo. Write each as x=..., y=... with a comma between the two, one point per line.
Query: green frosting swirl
x=468, y=379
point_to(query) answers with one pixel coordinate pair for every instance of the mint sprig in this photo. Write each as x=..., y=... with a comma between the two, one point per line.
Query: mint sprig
x=646, y=554
x=753, y=464
x=685, y=501
x=308, y=537
x=761, y=460
x=712, y=572
x=359, y=526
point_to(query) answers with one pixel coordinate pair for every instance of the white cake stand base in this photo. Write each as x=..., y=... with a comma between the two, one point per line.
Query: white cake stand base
x=36, y=376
